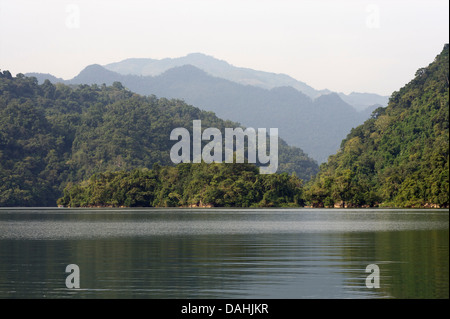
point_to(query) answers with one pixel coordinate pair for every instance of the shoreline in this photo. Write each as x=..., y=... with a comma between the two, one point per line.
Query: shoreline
x=430, y=206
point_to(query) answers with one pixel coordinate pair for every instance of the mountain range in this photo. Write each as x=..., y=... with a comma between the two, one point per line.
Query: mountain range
x=316, y=121
x=57, y=135
x=245, y=76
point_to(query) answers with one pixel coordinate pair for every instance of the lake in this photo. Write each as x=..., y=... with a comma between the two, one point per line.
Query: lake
x=224, y=253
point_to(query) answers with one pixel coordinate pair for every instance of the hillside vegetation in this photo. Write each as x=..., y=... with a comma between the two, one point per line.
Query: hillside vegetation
x=53, y=134
x=186, y=185
x=400, y=156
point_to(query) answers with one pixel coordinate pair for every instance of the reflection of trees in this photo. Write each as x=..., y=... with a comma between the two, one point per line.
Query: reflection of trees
x=413, y=263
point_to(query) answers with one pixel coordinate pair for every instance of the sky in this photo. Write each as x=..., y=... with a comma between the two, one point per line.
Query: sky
x=343, y=46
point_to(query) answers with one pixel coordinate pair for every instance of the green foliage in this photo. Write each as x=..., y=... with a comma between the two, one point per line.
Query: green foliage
x=400, y=156
x=193, y=185
x=53, y=135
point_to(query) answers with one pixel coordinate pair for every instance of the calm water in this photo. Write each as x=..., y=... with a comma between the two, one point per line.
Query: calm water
x=223, y=253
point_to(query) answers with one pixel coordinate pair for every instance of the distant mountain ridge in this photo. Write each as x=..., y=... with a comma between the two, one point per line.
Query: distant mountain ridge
x=245, y=76
x=317, y=126
x=214, y=67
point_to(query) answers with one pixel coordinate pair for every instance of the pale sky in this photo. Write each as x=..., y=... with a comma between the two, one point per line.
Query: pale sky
x=363, y=46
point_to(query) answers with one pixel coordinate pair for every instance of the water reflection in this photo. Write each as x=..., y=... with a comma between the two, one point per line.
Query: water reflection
x=223, y=254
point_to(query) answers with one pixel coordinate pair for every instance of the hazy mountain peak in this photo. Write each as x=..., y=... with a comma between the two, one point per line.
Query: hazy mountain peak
x=203, y=57
x=185, y=72
x=95, y=73
x=214, y=67
x=329, y=97
x=94, y=68
x=246, y=76
x=130, y=66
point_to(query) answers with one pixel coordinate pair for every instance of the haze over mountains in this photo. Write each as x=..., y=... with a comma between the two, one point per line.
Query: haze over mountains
x=214, y=67
x=246, y=76
x=316, y=121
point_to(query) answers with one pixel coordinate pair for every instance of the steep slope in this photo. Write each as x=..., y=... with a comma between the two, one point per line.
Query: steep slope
x=400, y=156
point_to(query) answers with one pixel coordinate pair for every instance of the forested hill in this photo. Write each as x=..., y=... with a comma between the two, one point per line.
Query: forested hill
x=316, y=125
x=400, y=156
x=54, y=134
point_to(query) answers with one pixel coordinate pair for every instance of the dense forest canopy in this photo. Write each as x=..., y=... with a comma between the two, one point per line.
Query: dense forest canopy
x=186, y=185
x=400, y=156
x=53, y=134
